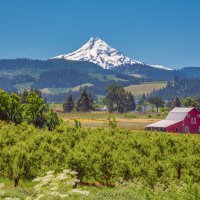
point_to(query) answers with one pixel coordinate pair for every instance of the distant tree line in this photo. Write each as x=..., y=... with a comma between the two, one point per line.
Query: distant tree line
x=179, y=88
x=159, y=102
x=185, y=102
x=116, y=100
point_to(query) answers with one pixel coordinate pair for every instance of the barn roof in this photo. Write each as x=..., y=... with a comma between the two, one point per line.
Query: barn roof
x=176, y=115
x=163, y=123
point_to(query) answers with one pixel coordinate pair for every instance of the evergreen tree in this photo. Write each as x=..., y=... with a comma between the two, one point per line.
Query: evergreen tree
x=24, y=95
x=68, y=105
x=85, y=102
x=143, y=102
x=91, y=100
x=131, y=102
x=176, y=103
x=52, y=120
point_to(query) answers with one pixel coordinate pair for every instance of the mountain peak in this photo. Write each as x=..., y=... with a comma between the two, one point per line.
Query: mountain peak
x=99, y=52
x=94, y=39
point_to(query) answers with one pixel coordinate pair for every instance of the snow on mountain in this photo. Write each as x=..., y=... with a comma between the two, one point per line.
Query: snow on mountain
x=99, y=52
x=160, y=67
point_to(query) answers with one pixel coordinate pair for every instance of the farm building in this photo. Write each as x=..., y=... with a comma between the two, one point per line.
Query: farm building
x=181, y=120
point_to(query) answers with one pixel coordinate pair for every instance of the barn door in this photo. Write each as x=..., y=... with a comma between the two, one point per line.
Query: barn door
x=186, y=129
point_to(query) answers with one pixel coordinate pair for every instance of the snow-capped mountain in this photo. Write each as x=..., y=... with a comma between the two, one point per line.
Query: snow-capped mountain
x=99, y=52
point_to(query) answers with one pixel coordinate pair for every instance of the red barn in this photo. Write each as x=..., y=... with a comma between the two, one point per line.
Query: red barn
x=181, y=120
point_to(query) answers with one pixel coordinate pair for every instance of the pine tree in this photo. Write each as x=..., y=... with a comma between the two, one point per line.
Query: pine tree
x=85, y=102
x=176, y=103
x=68, y=105
x=142, y=102
x=131, y=102
x=91, y=101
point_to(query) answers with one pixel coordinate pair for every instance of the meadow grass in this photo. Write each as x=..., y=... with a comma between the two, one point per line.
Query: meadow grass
x=134, y=121
x=145, y=88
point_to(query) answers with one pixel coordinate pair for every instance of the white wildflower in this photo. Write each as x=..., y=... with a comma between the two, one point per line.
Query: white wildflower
x=50, y=173
x=56, y=194
x=53, y=188
x=64, y=195
x=66, y=171
x=73, y=173
x=84, y=192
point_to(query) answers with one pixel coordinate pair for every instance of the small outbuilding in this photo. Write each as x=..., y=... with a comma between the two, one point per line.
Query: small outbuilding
x=180, y=120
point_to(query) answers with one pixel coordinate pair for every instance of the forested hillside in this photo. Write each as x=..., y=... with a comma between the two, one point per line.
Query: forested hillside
x=179, y=88
x=59, y=75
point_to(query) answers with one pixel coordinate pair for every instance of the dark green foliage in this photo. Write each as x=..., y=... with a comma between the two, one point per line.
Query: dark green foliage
x=130, y=106
x=175, y=103
x=142, y=104
x=52, y=120
x=179, y=88
x=157, y=101
x=117, y=99
x=191, y=102
x=24, y=95
x=84, y=102
x=58, y=73
x=185, y=102
x=68, y=105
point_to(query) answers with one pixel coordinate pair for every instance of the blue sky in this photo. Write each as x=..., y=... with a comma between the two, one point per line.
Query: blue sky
x=165, y=32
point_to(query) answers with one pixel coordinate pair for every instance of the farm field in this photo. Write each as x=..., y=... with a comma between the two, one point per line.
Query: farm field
x=145, y=88
x=100, y=119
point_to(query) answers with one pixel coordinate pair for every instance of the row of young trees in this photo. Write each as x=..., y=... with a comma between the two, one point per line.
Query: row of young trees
x=27, y=107
x=101, y=155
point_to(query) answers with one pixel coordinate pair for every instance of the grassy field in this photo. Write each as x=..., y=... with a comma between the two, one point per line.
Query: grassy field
x=145, y=88
x=100, y=119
